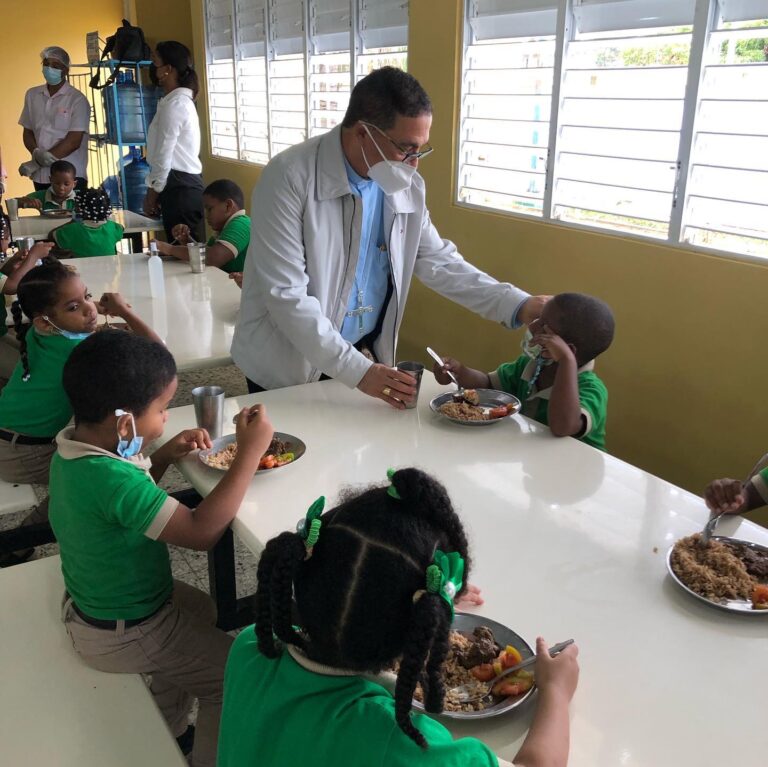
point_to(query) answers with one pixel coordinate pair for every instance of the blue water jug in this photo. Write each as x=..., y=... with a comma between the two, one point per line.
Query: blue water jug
x=136, y=172
x=135, y=107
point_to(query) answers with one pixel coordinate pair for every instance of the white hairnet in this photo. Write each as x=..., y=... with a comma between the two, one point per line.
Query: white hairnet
x=55, y=53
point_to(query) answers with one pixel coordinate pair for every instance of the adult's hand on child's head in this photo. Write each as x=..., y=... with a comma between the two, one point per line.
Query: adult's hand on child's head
x=180, y=233
x=238, y=278
x=725, y=496
x=560, y=674
x=114, y=304
x=449, y=363
x=254, y=433
x=470, y=598
x=531, y=309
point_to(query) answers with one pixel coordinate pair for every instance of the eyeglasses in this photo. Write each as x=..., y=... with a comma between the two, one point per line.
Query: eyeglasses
x=407, y=153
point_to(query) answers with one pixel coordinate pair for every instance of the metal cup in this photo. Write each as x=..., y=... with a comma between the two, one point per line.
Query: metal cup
x=12, y=205
x=416, y=369
x=196, y=257
x=209, y=409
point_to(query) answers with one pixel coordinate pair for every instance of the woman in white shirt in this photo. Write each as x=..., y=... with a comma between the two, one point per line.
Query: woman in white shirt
x=173, y=143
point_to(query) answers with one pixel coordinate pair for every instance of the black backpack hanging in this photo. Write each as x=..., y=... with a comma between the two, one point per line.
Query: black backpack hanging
x=126, y=45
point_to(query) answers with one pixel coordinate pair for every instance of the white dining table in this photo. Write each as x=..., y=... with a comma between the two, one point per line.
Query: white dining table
x=566, y=541
x=196, y=319
x=32, y=224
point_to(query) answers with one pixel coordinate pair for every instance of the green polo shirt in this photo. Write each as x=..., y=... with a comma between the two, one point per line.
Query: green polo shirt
x=85, y=241
x=46, y=198
x=4, y=324
x=513, y=377
x=759, y=477
x=38, y=407
x=106, y=513
x=235, y=237
x=327, y=718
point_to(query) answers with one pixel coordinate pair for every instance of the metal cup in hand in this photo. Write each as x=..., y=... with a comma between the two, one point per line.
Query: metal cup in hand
x=416, y=369
x=196, y=257
x=209, y=409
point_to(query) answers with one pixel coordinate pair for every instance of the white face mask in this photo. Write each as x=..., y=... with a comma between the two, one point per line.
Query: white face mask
x=391, y=176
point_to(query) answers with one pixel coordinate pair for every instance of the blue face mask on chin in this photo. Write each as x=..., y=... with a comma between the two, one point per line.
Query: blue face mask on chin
x=52, y=75
x=128, y=448
x=67, y=333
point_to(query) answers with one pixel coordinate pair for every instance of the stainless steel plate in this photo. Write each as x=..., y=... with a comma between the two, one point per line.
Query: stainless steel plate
x=466, y=623
x=741, y=606
x=298, y=448
x=489, y=398
x=56, y=213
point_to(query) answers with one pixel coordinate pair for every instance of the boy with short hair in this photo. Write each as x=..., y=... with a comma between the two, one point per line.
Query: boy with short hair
x=123, y=611
x=554, y=377
x=224, y=205
x=61, y=193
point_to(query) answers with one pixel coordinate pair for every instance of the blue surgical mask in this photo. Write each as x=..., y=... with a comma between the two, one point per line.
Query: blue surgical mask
x=534, y=351
x=67, y=333
x=52, y=75
x=128, y=448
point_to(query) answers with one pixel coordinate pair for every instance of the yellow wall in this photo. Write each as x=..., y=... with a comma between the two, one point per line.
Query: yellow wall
x=686, y=374
x=165, y=20
x=27, y=28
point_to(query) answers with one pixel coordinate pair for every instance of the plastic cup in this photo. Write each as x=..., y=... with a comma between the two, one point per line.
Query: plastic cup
x=209, y=409
x=12, y=205
x=196, y=257
x=416, y=369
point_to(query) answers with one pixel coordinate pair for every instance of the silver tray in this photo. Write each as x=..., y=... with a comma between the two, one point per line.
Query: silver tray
x=298, y=448
x=741, y=606
x=56, y=213
x=489, y=398
x=466, y=623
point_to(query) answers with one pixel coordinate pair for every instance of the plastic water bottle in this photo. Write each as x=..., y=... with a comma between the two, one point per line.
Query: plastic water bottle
x=156, y=278
x=136, y=172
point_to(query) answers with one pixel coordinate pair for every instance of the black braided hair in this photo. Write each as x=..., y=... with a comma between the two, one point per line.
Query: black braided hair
x=36, y=294
x=93, y=205
x=360, y=596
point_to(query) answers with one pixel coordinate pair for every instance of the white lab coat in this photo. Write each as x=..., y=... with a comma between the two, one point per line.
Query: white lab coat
x=300, y=268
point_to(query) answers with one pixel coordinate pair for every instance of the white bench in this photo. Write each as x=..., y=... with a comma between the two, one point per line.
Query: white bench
x=15, y=497
x=55, y=710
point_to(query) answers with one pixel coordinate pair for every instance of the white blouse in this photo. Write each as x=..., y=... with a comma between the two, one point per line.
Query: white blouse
x=173, y=138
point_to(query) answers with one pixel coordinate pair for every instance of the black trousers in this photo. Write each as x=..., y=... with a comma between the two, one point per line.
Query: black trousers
x=254, y=388
x=181, y=202
x=81, y=185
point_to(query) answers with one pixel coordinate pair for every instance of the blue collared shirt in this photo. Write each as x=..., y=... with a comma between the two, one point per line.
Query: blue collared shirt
x=372, y=272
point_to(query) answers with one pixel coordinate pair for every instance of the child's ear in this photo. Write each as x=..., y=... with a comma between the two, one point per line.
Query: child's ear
x=43, y=324
x=124, y=426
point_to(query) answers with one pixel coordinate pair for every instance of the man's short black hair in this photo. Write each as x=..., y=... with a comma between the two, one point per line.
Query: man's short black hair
x=223, y=190
x=383, y=95
x=63, y=166
x=586, y=322
x=115, y=369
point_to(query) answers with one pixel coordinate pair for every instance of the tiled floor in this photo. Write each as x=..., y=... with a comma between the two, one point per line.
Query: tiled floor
x=187, y=565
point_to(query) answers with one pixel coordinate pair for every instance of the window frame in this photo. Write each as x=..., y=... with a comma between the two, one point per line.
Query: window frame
x=704, y=23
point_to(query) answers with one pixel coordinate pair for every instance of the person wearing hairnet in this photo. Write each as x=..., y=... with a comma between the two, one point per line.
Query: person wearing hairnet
x=55, y=119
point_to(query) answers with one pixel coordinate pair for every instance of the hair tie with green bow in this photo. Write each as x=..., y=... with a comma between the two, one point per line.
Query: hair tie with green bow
x=309, y=526
x=445, y=576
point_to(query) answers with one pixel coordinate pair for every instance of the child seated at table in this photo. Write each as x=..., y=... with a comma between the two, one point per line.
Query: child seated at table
x=352, y=592
x=33, y=406
x=123, y=611
x=95, y=234
x=61, y=193
x=554, y=378
x=732, y=496
x=224, y=206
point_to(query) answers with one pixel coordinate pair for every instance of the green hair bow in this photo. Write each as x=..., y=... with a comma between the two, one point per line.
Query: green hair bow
x=445, y=576
x=392, y=490
x=309, y=527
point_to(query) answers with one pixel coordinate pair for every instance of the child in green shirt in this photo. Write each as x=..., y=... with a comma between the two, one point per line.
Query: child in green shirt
x=554, y=377
x=95, y=234
x=340, y=600
x=124, y=612
x=224, y=206
x=61, y=193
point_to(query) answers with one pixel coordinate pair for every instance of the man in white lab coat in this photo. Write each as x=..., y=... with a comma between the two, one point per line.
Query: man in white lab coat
x=339, y=228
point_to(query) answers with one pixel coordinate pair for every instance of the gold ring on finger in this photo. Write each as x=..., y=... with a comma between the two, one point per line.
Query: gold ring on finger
x=386, y=391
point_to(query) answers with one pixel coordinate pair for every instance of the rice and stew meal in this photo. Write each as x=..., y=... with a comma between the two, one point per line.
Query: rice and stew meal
x=278, y=454
x=476, y=659
x=722, y=571
x=469, y=409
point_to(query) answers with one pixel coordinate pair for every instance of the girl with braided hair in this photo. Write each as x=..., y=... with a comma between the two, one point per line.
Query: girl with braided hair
x=95, y=234
x=353, y=591
x=33, y=405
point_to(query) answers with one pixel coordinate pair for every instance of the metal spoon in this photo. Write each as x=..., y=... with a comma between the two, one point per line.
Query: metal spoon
x=709, y=528
x=468, y=693
x=459, y=396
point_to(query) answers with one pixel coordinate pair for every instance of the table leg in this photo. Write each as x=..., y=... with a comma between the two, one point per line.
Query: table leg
x=137, y=242
x=233, y=613
x=25, y=537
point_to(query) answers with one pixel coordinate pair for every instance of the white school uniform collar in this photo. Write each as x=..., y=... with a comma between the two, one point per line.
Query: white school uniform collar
x=235, y=215
x=49, y=197
x=70, y=449
x=529, y=370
